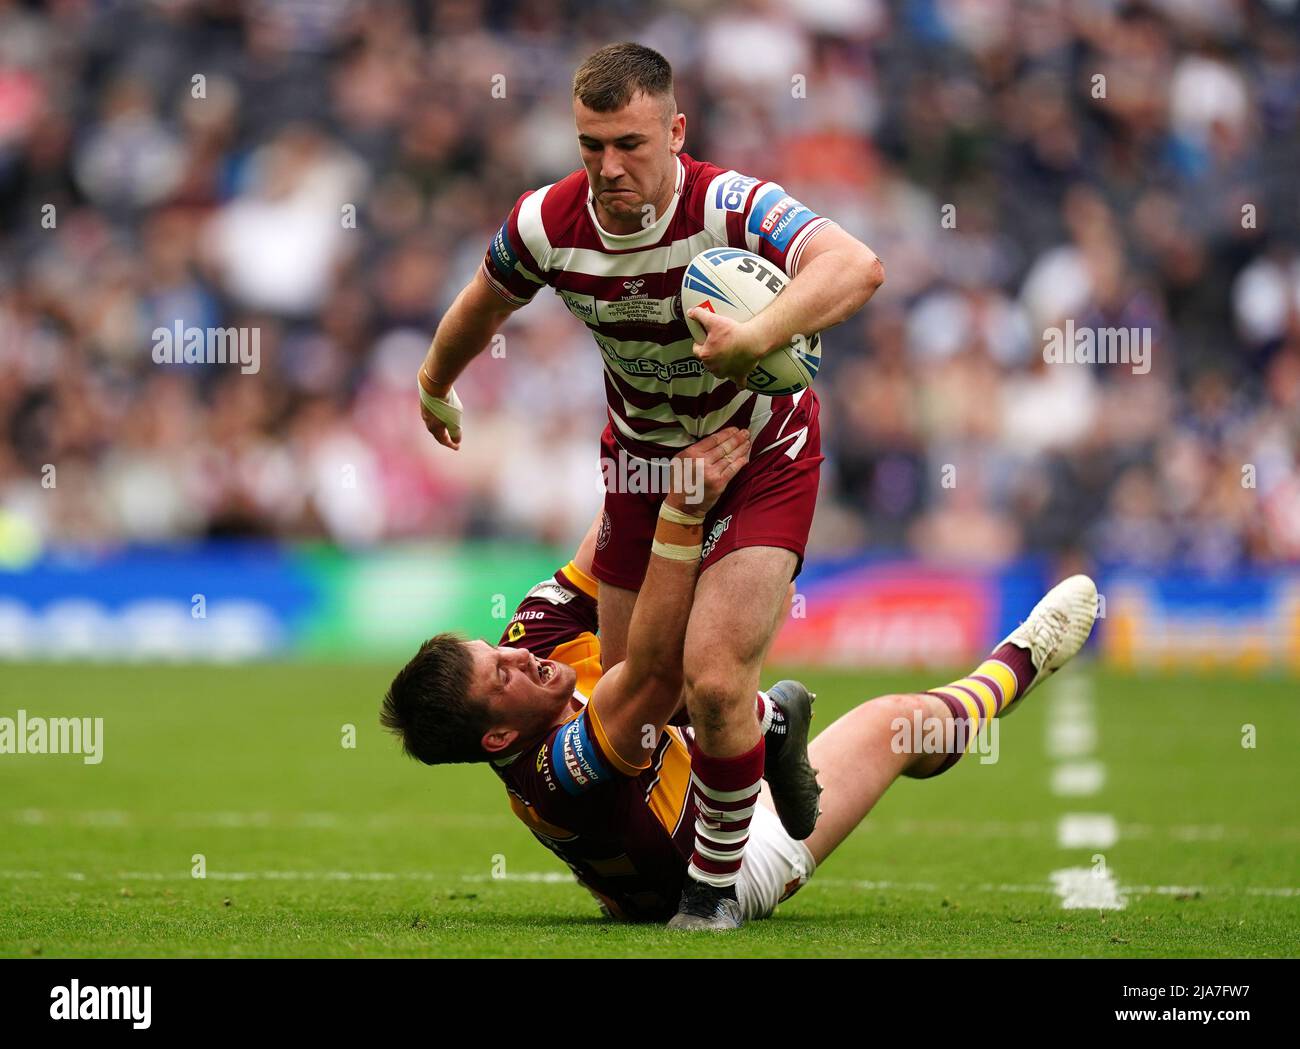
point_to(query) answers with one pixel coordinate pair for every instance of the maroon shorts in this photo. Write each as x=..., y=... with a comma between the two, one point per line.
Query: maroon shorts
x=769, y=503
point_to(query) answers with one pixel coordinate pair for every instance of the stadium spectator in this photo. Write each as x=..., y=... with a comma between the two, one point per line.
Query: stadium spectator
x=329, y=173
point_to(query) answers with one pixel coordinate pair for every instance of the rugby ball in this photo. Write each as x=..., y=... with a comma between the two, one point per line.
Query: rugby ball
x=739, y=284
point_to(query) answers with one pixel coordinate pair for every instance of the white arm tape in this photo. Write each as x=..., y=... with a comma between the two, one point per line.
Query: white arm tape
x=447, y=410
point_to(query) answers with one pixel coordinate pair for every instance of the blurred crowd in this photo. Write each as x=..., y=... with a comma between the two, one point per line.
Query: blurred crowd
x=329, y=173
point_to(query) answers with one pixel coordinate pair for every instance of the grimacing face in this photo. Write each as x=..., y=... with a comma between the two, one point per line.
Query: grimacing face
x=629, y=156
x=524, y=694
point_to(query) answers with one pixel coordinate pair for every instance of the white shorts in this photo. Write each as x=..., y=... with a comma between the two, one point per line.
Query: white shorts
x=775, y=866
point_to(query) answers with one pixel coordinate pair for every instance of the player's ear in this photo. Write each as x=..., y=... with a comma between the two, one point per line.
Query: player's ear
x=497, y=740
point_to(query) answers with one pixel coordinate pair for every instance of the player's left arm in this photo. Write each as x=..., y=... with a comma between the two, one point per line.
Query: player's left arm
x=837, y=276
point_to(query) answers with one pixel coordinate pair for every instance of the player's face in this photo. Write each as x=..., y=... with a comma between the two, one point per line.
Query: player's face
x=524, y=693
x=629, y=155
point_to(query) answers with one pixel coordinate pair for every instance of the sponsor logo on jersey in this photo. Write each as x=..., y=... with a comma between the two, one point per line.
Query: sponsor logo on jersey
x=730, y=195
x=503, y=252
x=544, y=767
x=664, y=371
x=636, y=306
x=715, y=533
x=786, y=223
x=577, y=764
x=774, y=214
x=635, y=309
x=550, y=590
x=581, y=306
x=777, y=218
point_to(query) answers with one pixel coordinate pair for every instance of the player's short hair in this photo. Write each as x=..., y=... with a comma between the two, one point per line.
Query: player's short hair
x=429, y=705
x=608, y=80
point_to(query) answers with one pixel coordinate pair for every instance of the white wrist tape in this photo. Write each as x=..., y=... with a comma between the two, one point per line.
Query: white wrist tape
x=676, y=551
x=447, y=410
x=678, y=516
x=679, y=551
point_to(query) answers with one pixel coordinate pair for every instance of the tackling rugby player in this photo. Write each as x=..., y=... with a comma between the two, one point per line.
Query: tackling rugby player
x=605, y=782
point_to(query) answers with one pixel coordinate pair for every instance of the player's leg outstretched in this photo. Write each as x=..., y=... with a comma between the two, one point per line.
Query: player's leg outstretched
x=863, y=752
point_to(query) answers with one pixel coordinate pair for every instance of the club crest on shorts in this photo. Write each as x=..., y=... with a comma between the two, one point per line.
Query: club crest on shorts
x=606, y=526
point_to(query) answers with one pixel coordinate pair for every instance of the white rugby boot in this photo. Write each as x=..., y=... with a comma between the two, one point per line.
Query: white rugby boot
x=1056, y=629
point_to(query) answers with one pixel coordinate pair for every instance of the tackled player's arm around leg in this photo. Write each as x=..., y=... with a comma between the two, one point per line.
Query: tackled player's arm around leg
x=636, y=698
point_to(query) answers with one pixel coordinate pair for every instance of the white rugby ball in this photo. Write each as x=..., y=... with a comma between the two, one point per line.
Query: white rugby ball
x=739, y=284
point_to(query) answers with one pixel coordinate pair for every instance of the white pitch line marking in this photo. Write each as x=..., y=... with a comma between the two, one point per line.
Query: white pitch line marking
x=532, y=877
x=1085, y=888
x=1071, y=739
x=565, y=878
x=310, y=820
x=1078, y=779
x=1087, y=830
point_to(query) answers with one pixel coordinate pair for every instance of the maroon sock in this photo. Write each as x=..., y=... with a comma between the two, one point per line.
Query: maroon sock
x=1015, y=659
x=1021, y=665
x=725, y=791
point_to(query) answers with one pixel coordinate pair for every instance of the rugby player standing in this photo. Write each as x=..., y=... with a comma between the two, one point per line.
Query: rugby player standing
x=613, y=240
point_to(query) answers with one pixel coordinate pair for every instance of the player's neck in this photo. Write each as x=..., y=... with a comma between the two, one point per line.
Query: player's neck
x=565, y=713
x=570, y=708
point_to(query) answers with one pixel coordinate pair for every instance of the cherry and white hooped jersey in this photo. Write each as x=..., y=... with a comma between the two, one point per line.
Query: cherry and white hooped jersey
x=627, y=289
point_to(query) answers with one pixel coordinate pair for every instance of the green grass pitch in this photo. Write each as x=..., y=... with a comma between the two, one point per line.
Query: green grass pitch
x=316, y=849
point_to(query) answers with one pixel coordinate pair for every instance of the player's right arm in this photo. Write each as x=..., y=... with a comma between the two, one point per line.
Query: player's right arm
x=465, y=330
x=636, y=698
x=508, y=279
